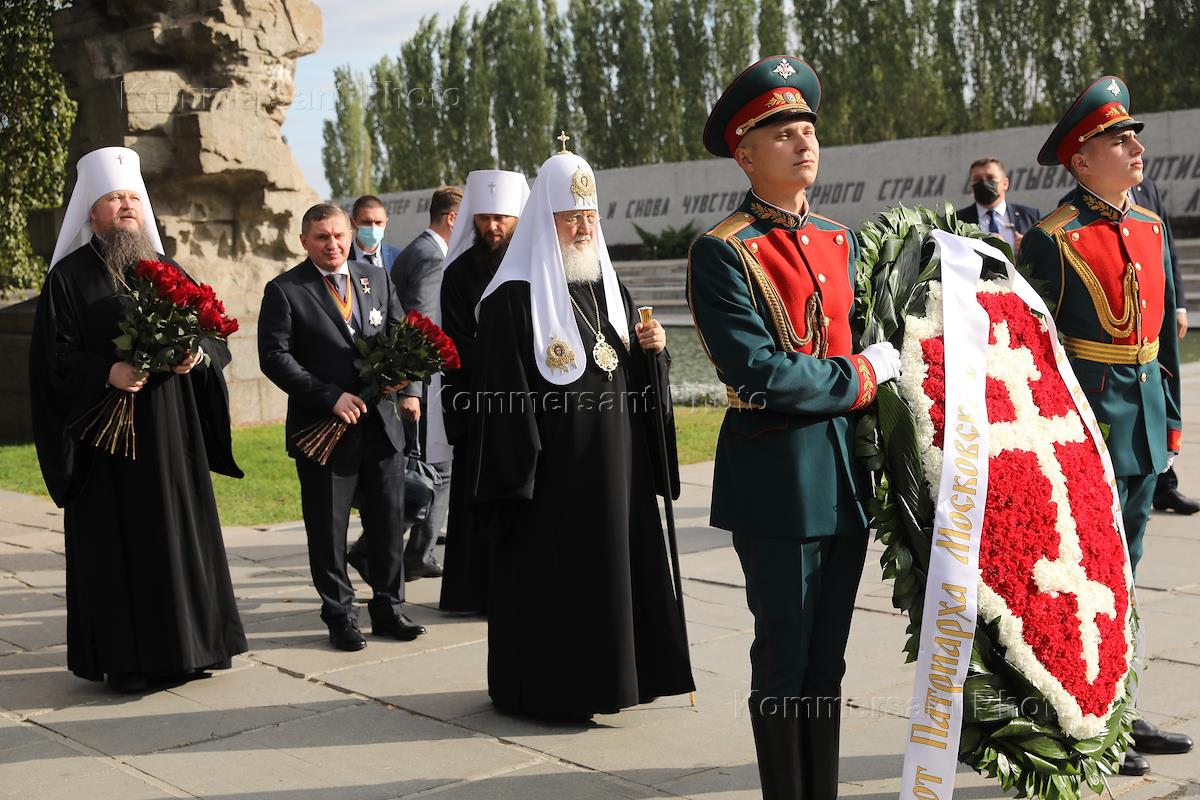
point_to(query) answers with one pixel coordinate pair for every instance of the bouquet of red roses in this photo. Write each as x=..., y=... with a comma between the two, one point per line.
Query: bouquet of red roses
x=410, y=350
x=166, y=317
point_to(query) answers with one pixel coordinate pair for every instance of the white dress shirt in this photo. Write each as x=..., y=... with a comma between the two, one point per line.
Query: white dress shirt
x=1007, y=231
x=441, y=243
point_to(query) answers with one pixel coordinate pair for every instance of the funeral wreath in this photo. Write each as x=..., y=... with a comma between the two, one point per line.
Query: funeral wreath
x=1046, y=705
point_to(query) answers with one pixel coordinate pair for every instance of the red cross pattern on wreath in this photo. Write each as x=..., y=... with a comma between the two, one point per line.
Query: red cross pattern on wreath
x=1052, y=565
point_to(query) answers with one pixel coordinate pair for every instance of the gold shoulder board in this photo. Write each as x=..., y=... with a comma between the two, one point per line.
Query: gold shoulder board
x=1056, y=221
x=731, y=225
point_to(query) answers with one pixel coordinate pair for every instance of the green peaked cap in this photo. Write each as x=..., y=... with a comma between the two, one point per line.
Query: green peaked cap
x=1103, y=107
x=774, y=86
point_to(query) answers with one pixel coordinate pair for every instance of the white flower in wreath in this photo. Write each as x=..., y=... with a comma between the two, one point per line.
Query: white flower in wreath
x=375, y=317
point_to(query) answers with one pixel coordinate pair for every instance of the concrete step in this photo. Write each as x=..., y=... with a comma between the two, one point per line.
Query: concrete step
x=646, y=294
x=1188, y=249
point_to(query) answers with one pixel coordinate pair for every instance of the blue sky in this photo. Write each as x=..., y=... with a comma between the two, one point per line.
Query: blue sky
x=358, y=34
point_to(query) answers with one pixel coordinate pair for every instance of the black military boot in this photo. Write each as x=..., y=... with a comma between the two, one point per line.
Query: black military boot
x=777, y=740
x=821, y=736
x=1168, y=498
x=1149, y=738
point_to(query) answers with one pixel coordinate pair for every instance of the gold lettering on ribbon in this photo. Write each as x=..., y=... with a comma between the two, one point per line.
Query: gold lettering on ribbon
x=920, y=790
x=954, y=628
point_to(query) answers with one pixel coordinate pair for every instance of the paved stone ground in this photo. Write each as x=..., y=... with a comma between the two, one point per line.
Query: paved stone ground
x=296, y=720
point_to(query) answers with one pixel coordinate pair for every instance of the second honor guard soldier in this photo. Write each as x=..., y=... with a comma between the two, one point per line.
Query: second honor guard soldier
x=1102, y=264
x=771, y=290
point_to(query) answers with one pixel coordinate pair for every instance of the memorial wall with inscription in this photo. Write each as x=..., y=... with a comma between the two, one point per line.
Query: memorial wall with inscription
x=859, y=180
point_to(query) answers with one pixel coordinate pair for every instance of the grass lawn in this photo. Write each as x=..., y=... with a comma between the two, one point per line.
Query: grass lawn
x=270, y=492
x=1189, y=348
x=696, y=431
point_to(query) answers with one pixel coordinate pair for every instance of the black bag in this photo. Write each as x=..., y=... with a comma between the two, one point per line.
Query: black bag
x=420, y=482
x=420, y=479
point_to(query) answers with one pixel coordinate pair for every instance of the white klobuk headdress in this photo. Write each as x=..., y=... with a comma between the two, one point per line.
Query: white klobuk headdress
x=564, y=183
x=108, y=169
x=489, y=191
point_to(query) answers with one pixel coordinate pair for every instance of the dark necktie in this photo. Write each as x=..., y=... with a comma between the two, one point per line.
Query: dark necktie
x=373, y=259
x=339, y=282
x=993, y=226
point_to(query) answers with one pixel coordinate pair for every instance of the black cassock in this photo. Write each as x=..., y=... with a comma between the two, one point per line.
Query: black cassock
x=148, y=587
x=582, y=616
x=465, y=562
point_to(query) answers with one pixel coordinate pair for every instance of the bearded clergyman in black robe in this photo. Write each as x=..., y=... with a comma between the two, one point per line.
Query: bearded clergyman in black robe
x=582, y=615
x=149, y=597
x=487, y=216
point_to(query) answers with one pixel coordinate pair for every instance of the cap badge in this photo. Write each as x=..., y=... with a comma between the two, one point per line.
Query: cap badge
x=1114, y=88
x=784, y=70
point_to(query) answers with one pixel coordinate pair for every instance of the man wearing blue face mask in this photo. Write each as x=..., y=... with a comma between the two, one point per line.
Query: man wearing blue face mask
x=370, y=219
x=988, y=182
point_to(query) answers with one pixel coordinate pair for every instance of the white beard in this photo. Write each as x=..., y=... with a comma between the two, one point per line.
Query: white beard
x=581, y=264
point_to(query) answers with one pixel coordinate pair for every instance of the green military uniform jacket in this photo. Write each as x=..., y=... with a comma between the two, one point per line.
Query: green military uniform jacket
x=772, y=295
x=1107, y=275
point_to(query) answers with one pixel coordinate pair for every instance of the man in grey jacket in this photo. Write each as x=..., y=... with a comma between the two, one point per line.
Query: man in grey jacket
x=417, y=276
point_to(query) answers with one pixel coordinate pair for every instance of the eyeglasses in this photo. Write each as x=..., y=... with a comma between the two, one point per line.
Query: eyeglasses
x=577, y=220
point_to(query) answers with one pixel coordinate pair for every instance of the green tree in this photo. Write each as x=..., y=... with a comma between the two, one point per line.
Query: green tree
x=522, y=102
x=558, y=67
x=390, y=127
x=347, y=151
x=1164, y=76
x=631, y=114
x=424, y=100
x=696, y=84
x=733, y=38
x=477, y=99
x=35, y=126
x=666, y=116
x=452, y=81
x=592, y=79
x=772, y=28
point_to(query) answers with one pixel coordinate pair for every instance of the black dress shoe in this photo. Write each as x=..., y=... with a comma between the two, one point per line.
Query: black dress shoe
x=356, y=557
x=345, y=635
x=431, y=570
x=1149, y=739
x=398, y=627
x=127, y=682
x=1134, y=764
x=1172, y=500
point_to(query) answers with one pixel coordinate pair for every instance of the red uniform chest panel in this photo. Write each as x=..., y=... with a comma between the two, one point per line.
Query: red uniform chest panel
x=803, y=261
x=1108, y=249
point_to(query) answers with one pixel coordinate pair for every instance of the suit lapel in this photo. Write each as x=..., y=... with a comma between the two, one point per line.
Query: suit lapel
x=316, y=286
x=368, y=301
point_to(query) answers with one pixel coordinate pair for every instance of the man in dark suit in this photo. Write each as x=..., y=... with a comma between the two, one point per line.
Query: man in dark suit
x=1167, y=496
x=988, y=181
x=309, y=319
x=369, y=216
x=417, y=271
x=417, y=275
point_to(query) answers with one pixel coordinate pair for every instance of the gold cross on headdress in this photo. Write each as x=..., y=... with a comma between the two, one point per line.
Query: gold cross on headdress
x=120, y=158
x=562, y=137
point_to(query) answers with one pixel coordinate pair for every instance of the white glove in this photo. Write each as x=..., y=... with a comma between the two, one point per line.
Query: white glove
x=884, y=359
